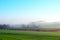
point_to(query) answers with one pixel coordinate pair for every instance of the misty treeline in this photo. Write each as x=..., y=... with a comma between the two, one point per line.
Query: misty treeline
x=21, y=27
x=4, y=26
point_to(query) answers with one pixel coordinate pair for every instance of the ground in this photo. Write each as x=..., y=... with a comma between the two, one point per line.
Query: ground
x=28, y=35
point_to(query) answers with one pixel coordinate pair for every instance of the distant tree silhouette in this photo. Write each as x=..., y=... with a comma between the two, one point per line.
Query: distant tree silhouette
x=4, y=26
x=23, y=26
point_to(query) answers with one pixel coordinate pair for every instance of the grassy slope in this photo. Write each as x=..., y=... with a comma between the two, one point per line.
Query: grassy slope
x=28, y=35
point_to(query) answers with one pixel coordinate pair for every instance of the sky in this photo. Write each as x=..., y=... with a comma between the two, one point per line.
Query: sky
x=25, y=11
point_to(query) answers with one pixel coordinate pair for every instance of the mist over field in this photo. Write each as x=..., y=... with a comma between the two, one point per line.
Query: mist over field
x=29, y=19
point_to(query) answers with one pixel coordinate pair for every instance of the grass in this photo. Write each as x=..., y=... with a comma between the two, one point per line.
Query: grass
x=28, y=35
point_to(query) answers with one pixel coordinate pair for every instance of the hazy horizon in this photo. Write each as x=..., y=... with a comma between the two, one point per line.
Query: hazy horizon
x=26, y=11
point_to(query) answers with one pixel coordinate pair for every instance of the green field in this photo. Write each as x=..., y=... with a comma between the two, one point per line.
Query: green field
x=28, y=35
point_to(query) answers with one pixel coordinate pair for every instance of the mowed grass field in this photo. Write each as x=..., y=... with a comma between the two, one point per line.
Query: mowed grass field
x=28, y=35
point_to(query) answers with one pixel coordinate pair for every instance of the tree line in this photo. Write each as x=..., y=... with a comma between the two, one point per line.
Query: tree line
x=22, y=27
x=4, y=26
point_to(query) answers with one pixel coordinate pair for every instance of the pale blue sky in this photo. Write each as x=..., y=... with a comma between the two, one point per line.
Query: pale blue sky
x=24, y=11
